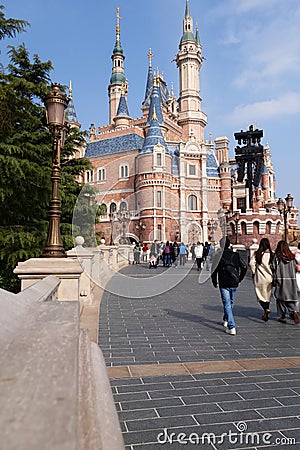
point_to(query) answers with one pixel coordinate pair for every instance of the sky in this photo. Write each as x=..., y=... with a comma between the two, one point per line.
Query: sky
x=250, y=75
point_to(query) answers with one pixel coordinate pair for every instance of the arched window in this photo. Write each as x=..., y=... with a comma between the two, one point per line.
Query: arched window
x=89, y=176
x=123, y=206
x=192, y=202
x=124, y=171
x=102, y=210
x=243, y=228
x=268, y=227
x=112, y=207
x=256, y=227
x=101, y=174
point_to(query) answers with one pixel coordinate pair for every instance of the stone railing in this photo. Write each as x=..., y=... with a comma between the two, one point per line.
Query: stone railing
x=54, y=389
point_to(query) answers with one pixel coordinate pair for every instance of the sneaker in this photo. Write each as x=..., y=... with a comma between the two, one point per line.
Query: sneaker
x=225, y=324
x=231, y=331
x=296, y=317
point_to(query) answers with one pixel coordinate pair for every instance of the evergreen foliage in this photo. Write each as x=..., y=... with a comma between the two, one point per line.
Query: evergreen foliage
x=26, y=160
x=10, y=27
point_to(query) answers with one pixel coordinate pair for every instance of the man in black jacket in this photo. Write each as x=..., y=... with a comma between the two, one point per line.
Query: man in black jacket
x=227, y=272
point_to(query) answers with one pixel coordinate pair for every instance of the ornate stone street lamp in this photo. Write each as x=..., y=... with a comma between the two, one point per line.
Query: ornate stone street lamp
x=212, y=226
x=236, y=218
x=123, y=218
x=140, y=227
x=111, y=219
x=284, y=207
x=56, y=103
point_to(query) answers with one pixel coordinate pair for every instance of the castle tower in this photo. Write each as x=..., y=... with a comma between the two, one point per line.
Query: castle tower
x=117, y=80
x=71, y=116
x=154, y=168
x=149, y=85
x=122, y=119
x=189, y=61
x=222, y=149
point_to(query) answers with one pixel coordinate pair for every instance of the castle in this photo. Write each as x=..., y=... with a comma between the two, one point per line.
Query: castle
x=157, y=177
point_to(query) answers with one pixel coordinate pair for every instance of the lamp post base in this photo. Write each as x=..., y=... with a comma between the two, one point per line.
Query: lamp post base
x=50, y=253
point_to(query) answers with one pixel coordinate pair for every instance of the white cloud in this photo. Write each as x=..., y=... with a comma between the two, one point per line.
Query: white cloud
x=287, y=104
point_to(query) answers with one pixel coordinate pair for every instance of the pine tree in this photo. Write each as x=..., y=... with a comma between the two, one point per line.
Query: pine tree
x=11, y=27
x=25, y=165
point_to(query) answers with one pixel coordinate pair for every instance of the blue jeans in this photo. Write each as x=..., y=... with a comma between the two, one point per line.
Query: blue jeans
x=228, y=297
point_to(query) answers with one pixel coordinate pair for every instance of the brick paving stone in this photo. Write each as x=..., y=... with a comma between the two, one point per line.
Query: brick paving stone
x=173, y=366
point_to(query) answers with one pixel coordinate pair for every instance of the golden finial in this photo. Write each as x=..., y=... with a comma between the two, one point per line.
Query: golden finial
x=154, y=116
x=150, y=54
x=70, y=91
x=123, y=89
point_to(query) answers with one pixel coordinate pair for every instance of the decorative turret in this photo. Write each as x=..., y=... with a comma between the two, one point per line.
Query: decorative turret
x=71, y=117
x=122, y=119
x=189, y=61
x=188, y=34
x=154, y=134
x=149, y=84
x=117, y=80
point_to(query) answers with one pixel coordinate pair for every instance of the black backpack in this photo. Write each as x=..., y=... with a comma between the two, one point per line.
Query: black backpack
x=230, y=270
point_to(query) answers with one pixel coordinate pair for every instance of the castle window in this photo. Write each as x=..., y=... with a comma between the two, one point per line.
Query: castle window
x=102, y=210
x=192, y=202
x=192, y=169
x=113, y=207
x=123, y=206
x=158, y=199
x=89, y=176
x=255, y=227
x=241, y=204
x=268, y=227
x=101, y=174
x=124, y=171
x=158, y=159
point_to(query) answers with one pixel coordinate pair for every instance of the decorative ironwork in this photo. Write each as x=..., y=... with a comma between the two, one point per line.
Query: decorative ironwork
x=249, y=158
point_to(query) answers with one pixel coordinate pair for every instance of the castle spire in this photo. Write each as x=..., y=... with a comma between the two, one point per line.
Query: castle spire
x=71, y=116
x=117, y=78
x=149, y=84
x=188, y=34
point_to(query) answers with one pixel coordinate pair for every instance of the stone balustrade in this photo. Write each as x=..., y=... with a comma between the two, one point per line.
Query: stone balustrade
x=54, y=389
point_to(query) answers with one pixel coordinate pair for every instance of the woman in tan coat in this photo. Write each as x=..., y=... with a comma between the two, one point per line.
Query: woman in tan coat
x=260, y=265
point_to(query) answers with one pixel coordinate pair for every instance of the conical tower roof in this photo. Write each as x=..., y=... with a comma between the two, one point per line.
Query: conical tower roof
x=154, y=135
x=149, y=84
x=155, y=103
x=71, y=116
x=123, y=108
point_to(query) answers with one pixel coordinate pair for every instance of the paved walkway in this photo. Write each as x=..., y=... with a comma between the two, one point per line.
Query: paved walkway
x=173, y=369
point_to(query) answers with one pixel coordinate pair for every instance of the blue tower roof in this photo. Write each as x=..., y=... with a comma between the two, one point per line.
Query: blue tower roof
x=114, y=145
x=123, y=108
x=212, y=169
x=154, y=136
x=155, y=104
x=70, y=112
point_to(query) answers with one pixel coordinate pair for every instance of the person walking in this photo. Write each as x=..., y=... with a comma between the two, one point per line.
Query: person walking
x=145, y=252
x=227, y=272
x=286, y=289
x=182, y=254
x=199, y=249
x=297, y=258
x=137, y=253
x=175, y=253
x=261, y=268
x=167, y=254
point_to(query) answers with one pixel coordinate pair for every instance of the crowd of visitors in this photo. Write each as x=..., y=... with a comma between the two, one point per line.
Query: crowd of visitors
x=276, y=272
